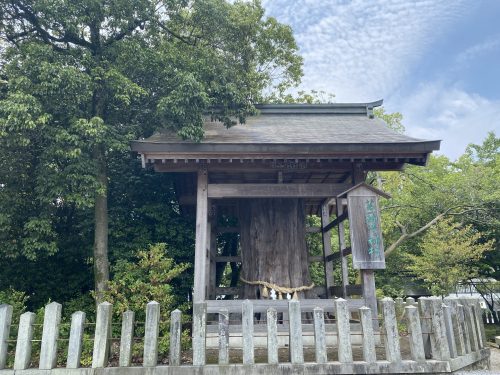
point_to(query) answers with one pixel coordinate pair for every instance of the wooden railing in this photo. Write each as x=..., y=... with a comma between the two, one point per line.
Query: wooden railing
x=430, y=336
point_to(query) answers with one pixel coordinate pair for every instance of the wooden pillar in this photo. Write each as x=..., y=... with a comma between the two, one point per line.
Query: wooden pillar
x=212, y=248
x=342, y=245
x=369, y=293
x=200, y=254
x=327, y=247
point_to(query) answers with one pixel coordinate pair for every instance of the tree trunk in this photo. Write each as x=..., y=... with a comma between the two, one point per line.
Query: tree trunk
x=273, y=245
x=101, y=263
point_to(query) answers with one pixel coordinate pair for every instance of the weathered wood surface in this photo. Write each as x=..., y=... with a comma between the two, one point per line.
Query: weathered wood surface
x=274, y=190
x=364, y=226
x=342, y=245
x=327, y=248
x=200, y=258
x=273, y=245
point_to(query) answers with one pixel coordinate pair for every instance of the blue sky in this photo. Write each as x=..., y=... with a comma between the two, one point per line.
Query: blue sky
x=435, y=61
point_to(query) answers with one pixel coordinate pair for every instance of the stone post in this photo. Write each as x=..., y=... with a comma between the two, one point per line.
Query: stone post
x=410, y=301
x=416, y=341
x=343, y=331
x=127, y=338
x=393, y=353
x=199, y=332
x=457, y=325
x=450, y=336
x=50, y=334
x=102, y=336
x=369, y=354
x=75, y=339
x=399, y=305
x=272, y=336
x=319, y=335
x=471, y=326
x=175, y=338
x=151, y=333
x=296, y=347
x=465, y=328
x=439, y=341
x=24, y=336
x=425, y=320
x=247, y=327
x=223, y=337
x=479, y=324
x=5, y=321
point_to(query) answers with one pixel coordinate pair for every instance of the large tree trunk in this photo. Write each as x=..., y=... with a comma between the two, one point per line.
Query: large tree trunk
x=101, y=263
x=273, y=245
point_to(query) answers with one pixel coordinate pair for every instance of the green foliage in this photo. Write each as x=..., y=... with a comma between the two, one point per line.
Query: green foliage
x=147, y=278
x=449, y=255
x=17, y=299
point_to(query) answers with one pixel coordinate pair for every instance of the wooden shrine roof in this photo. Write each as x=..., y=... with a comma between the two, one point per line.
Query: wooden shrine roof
x=337, y=131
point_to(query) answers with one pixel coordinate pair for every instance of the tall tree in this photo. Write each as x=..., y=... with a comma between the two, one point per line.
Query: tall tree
x=81, y=79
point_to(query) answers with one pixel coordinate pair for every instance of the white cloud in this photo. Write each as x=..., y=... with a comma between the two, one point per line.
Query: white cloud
x=437, y=111
x=476, y=50
x=362, y=50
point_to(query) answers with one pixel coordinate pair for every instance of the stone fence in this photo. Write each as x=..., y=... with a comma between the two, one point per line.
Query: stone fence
x=431, y=336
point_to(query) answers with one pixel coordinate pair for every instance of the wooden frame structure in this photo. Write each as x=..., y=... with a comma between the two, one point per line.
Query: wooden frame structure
x=314, y=152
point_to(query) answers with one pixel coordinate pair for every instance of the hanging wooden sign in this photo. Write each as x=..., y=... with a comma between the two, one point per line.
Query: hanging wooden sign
x=364, y=226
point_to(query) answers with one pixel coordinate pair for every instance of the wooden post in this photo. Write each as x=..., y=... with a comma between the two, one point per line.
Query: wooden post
x=212, y=248
x=370, y=294
x=342, y=245
x=200, y=254
x=75, y=339
x=175, y=337
x=327, y=248
x=126, y=338
x=5, y=321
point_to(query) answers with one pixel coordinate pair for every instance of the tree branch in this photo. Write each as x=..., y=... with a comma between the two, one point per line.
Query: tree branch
x=406, y=236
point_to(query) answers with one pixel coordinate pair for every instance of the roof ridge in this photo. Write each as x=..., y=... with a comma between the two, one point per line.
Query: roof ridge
x=320, y=108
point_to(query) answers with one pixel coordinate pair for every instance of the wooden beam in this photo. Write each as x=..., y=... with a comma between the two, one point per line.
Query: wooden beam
x=342, y=245
x=261, y=305
x=200, y=253
x=327, y=247
x=336, y=256
x=335, y=222
x=269, y=165
x=275, y=190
